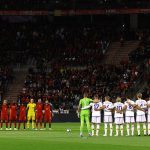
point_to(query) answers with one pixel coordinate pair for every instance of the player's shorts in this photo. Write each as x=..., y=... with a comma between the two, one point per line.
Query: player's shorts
x=39, y=117
x=148, y=118
x=108, y=119
x=4, y=117
x=22, y=118
x=13, y=117
x=47, y=118
x=140, y=118
x=119, y=120
x=129, y=119
x=96, y=119
x=31, y=116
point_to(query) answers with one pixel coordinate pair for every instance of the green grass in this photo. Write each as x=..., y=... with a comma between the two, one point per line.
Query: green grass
x=59, y=139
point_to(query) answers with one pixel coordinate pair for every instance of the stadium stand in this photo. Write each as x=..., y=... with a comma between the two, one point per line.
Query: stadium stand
x=67, y=60
x=64, y=87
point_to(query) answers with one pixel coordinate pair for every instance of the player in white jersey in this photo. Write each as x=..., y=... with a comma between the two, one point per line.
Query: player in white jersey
x=148, y=117
x=108, y=107
x=119, y=120
x=140, y=113
x=96, y=115
x=129, y=106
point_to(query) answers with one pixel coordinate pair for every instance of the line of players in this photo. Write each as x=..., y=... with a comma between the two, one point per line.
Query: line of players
x=30, y=112
x=128, y=108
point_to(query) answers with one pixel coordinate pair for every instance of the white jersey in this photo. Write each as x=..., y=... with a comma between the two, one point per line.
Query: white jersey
x=141, y=103
x=130, y=109
x=96, y=106
x=148, y=103
x=107, y=111
x=118, y=106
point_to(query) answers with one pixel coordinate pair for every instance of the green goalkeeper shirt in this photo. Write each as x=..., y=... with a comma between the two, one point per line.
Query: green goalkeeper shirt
x=83, y=103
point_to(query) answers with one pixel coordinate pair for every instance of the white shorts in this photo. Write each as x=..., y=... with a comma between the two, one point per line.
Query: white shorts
x=140, y=118
x=107, y=119
x=129, y=119
x=148, y=118
x=119, y=120
x=96, y=119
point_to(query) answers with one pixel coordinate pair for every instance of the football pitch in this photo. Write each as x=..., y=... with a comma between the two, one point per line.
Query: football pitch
x=59, y=139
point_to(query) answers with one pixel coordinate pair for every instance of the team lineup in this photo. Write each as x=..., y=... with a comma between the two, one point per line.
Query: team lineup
x=129, y=108
x=34, y=112
x=39, y=112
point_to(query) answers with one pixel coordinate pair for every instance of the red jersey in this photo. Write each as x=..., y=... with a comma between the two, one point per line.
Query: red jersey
x=22, y=110
x=13, y=109
x=47, y=108
x=48, y=113
x=39, y=108
x=4, y=109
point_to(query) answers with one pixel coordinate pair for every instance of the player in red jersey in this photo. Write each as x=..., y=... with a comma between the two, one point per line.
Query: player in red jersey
x=22, y=116
x=13, y=115
x=39, y=113
x=4, y=114
x=47, y=114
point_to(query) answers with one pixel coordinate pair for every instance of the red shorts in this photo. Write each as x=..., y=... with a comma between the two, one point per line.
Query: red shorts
x=47, y=118
x=22, y=118
x=39, y=117
x=4, y=117
x=13, y=117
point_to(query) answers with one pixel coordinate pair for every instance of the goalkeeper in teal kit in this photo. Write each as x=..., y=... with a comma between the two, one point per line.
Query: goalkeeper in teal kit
x=85, y=113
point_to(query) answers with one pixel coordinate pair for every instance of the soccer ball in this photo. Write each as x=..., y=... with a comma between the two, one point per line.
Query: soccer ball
x=68, y=130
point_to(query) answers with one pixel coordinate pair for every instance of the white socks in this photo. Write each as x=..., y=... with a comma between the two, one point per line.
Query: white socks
x=111, y=129
x=105, y=129
x=144, y=128
x=149, y=128
x=138, y=128
x=121, y=128
x=92, y=129
x=128, y=129
x=117, y=130
x=97, y=129
x=132, y=129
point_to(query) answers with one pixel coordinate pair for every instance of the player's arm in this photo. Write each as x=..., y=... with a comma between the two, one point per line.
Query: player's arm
x=139, y=108
x=145, y=106
x=34, y=107
x=43, y=108
x=78, y=111
x=51, y=109
x=94, y=101
x=111, y=108
x=79, y=108
x=130, y=103
x=9, y=109
x=91, y=101
x=124, y=108
x=27, y=108
x=148, y=105
x=86, y=107
x=118, y=111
